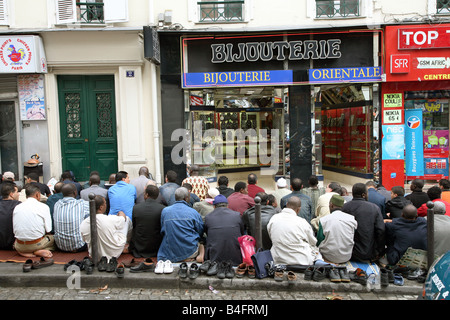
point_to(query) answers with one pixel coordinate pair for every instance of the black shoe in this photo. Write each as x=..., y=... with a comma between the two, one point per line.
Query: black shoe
x=183, y=272
x=142, y=267
x=334, y=275
x=102, y=264
x=70, y=263
x=309, y=272
x=384, y=277
x=222, y=270
x=205, y=266
x=319, y=274
x=120, y=270
x=343, y=273
x=88, y=265
x=112, y=265
x=229, y=273
x=213, y=269
x=194, y=271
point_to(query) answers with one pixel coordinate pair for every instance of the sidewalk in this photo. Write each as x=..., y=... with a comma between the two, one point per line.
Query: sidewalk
x=11, y=275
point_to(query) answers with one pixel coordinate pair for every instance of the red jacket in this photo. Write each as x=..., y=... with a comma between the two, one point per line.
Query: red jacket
x=422, y=211
x=253, y=189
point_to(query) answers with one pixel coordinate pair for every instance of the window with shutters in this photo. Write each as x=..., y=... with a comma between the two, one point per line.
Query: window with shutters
x=337, y=8
x=442, y=6
x=221, y=11
x=4, y=12
x=91, y=11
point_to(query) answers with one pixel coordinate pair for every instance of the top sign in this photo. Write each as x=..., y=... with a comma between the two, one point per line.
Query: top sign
x=22, y=54
x=423, y=38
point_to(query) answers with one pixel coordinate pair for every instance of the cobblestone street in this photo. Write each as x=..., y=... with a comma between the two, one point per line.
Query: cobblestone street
x=15, y=293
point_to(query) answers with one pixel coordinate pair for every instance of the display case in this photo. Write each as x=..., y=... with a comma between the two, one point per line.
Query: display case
x=347, y=136
x=236, y=133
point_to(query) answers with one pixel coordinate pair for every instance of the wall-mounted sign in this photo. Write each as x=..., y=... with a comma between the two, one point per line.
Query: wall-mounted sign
x=393, y=142
x=392, y=100
x=237, y=78
x=393, y=116
x=424, y=37
x=365, y=74
x=22, y=54
x=31, y=96
x=280, y=50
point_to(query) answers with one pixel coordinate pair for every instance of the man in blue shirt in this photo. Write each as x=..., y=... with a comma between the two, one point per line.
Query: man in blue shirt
x=306, y=209
x=182, y=229
x=122, y=195
x=375, y=197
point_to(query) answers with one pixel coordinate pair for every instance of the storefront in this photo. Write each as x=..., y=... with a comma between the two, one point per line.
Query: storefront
x=23, y=114
x=415, y=104
x=271, y=103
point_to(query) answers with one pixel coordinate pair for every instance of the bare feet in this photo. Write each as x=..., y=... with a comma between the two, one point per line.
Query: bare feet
x=26, y=255
x=43, y=253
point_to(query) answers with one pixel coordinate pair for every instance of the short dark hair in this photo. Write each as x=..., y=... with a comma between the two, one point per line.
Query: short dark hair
x=187, y=186
x=418, y=184
x=171, y=176
x=31, y=189
x=271, y=199
x=335, y=187
x=121, y=175
x=58, y=186
x=296, y=184
x=223, y=181
x=239, y=186
x=398, y=190
x=66, y=175
x=263, y=196
x=434, y=193
x=371, y=184
x=99, y=201
x=313, y=181
x=359, y=189
x=7, y=188
x=33, y=176
x=252, y=178
x=69, y=189
x=94, y=179
x=152, y=191
x=445, y=183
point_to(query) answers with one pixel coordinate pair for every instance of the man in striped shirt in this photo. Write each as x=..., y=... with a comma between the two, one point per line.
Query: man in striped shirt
x=68, y=214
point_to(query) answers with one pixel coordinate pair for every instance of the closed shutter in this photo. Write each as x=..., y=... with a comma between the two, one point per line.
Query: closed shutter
x=8, y=84
x=66, y=11
x=3, y=12
x=116, y=10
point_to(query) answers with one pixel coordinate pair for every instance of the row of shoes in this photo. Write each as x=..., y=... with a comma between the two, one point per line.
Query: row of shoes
x=222, y=270
x=111, y=266
x=192, y=271
x=396, y=275
x=277, y=271
x=334, y=274
x=147, y=266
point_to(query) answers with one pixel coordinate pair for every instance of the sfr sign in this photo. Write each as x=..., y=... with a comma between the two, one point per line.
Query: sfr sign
x=423, y=38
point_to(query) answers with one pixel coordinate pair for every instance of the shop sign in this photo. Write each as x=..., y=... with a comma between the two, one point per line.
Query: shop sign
x=436, y=166
x=237, y=78
x=423, y=38
x=22, y=54
x=393, y=100
x=414, y=163
x=392, y=116
x=436, y=140
x=280, y=50
x=357, y=74
x=393, y=142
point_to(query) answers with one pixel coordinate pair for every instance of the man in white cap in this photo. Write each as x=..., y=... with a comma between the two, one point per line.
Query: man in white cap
x=282, y=190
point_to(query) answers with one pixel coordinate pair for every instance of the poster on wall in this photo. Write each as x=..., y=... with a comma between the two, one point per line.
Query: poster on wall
x=414, y=163
x=393, y=142
x=31, y=97
x=436, y=140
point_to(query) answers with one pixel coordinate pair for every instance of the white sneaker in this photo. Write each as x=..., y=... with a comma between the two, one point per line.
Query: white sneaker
x=159, y=267
x=168, y=267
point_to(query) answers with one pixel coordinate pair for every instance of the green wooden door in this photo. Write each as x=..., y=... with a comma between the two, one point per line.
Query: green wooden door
x=88, y=125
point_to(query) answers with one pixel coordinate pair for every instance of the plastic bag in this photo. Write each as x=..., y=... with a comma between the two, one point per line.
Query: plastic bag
x=247, y=244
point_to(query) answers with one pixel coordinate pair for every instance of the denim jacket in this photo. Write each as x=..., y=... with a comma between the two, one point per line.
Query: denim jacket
x=167, y=190
x=181, y=228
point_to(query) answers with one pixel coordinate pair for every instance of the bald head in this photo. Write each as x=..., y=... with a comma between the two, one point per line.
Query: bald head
x=294, y=203
x=409, y=212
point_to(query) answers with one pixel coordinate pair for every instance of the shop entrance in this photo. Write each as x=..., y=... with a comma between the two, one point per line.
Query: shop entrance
x=237, y=130
x=9, y=159
x=346, y=133
x=88, y=125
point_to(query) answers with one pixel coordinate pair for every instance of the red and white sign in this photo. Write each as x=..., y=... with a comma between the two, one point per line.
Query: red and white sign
x=423, y=38
x=400, y=63
x=22, y=54
x=417, y=53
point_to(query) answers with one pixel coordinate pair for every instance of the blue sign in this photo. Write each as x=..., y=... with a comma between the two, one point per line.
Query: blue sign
x=237, y=78
x=414, y=142
x=364, y=74
x=393, y=142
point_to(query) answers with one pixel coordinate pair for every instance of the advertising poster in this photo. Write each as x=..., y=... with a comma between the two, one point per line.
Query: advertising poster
x=393, y=142
x=31, y=97
x=414, y=162
x=435, y=140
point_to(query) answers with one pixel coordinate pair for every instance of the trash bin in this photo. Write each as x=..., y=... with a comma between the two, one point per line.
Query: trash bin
x=34, y=165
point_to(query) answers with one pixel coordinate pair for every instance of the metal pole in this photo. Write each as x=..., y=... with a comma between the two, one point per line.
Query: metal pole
x=430, y=233
x=258, y=229
x=94, y=235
